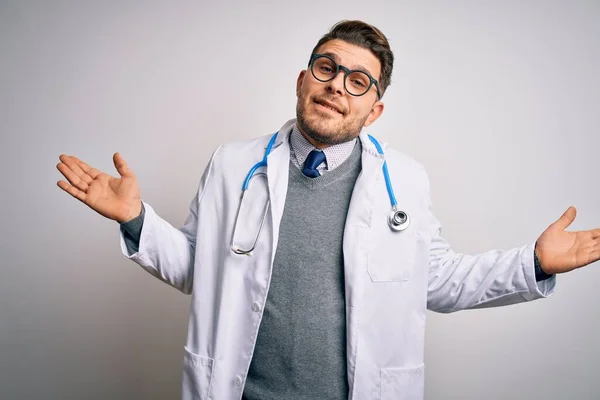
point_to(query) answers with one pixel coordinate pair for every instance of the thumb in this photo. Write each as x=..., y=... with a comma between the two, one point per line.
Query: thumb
x=567, y=218
x=121, y=165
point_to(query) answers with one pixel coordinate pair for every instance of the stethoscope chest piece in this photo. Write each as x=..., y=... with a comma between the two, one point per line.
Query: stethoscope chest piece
x=398, y=220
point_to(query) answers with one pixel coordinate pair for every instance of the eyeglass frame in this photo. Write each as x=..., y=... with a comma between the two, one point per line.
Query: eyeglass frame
x=347, y=72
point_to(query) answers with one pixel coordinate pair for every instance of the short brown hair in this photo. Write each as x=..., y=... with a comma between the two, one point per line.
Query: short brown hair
x=367, y=36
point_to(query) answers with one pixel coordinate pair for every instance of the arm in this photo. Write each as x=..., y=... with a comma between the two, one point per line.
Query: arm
x=162, y=250
x=490, y=279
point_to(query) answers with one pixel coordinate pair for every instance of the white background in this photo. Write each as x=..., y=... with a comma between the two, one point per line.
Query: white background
x=500, y=100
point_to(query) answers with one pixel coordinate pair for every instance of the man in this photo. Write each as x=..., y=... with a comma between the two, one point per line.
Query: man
x=307, y=288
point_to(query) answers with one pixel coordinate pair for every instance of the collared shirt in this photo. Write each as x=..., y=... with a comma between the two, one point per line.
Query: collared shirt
x=335, y=155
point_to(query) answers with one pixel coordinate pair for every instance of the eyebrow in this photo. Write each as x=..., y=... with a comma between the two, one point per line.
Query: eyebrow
x=355, y=67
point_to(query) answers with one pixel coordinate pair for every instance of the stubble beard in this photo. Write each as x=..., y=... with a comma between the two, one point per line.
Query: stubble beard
x=318, y=128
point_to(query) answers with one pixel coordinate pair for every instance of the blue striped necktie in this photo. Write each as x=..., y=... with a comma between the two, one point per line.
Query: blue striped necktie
x=314, y=159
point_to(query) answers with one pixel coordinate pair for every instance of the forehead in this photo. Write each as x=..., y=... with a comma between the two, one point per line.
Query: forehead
x=352, y=56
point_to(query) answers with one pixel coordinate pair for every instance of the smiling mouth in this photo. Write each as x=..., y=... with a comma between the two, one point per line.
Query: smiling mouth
x=328, y=107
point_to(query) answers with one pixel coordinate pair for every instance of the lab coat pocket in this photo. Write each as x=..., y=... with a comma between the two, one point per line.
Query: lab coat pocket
x=197, y=376
x=403, y=383
x=393, y=257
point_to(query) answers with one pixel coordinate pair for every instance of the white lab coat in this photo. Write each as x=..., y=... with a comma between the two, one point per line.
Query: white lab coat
x=391, y=278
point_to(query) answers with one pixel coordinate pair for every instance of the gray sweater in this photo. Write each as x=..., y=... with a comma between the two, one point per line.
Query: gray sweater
x=300, y=350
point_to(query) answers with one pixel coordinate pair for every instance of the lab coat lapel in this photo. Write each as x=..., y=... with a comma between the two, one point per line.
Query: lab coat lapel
x=277, y=176
x=358, y=222
x=357, y=244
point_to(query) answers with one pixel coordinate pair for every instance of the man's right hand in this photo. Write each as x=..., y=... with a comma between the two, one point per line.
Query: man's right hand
x=115, y=198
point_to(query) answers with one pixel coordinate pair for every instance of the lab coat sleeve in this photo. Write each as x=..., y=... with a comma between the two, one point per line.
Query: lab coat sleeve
x=491, y=279
x=167, y=252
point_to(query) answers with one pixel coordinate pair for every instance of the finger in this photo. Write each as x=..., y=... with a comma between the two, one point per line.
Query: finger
x=73, y=164
x=72, y=177
x=592, y=236
x=73, y=191
x=121, y=165
x=92, y=172
x=595, y=256
x=584, y=243
x=567, y=218
x=590, y=245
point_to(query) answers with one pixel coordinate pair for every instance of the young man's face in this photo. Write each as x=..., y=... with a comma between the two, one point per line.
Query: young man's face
x=323, y=126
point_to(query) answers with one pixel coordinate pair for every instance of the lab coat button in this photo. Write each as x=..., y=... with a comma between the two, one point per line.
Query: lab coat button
x=255, y=306
x=238, y=380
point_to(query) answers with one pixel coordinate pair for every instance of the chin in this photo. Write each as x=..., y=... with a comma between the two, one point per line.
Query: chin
x=324, y=126
x=325, y=132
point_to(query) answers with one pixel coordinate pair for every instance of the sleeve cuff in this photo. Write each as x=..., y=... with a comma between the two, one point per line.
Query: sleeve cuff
x=540, y=275
x=134, y=226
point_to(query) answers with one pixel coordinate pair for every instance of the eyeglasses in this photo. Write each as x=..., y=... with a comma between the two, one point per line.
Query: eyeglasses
x=356, y=82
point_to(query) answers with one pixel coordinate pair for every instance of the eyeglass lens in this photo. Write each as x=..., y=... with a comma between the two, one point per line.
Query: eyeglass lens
x=357, y=82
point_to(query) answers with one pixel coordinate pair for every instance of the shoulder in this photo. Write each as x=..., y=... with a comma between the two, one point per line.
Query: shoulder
x=405, y=162
x=396, y=160
x=253, y=149
x=406, y=172
x=241, y=150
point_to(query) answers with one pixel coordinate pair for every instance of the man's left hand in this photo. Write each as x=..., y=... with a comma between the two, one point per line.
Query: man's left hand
x=561, y=251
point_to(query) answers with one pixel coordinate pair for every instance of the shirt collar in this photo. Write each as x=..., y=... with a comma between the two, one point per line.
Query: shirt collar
x=335, y=154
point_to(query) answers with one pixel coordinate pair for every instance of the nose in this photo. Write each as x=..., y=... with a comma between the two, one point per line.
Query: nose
x=336, y=85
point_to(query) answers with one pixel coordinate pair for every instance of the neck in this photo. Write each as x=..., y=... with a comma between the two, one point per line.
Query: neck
x=318, y=145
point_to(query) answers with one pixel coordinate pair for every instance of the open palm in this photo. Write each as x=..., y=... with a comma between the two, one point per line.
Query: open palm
x=114, y=198
x=561, y=251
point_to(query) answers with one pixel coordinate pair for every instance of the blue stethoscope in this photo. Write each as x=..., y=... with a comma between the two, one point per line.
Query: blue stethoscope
x=398, y=220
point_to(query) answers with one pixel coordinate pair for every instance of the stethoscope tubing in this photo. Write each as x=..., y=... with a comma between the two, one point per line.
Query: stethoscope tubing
x=386, y=174
x=262, y=163
x=398, y=220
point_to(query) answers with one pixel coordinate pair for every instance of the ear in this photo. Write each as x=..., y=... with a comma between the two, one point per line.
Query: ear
x=376, y=111
x=299, y=82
